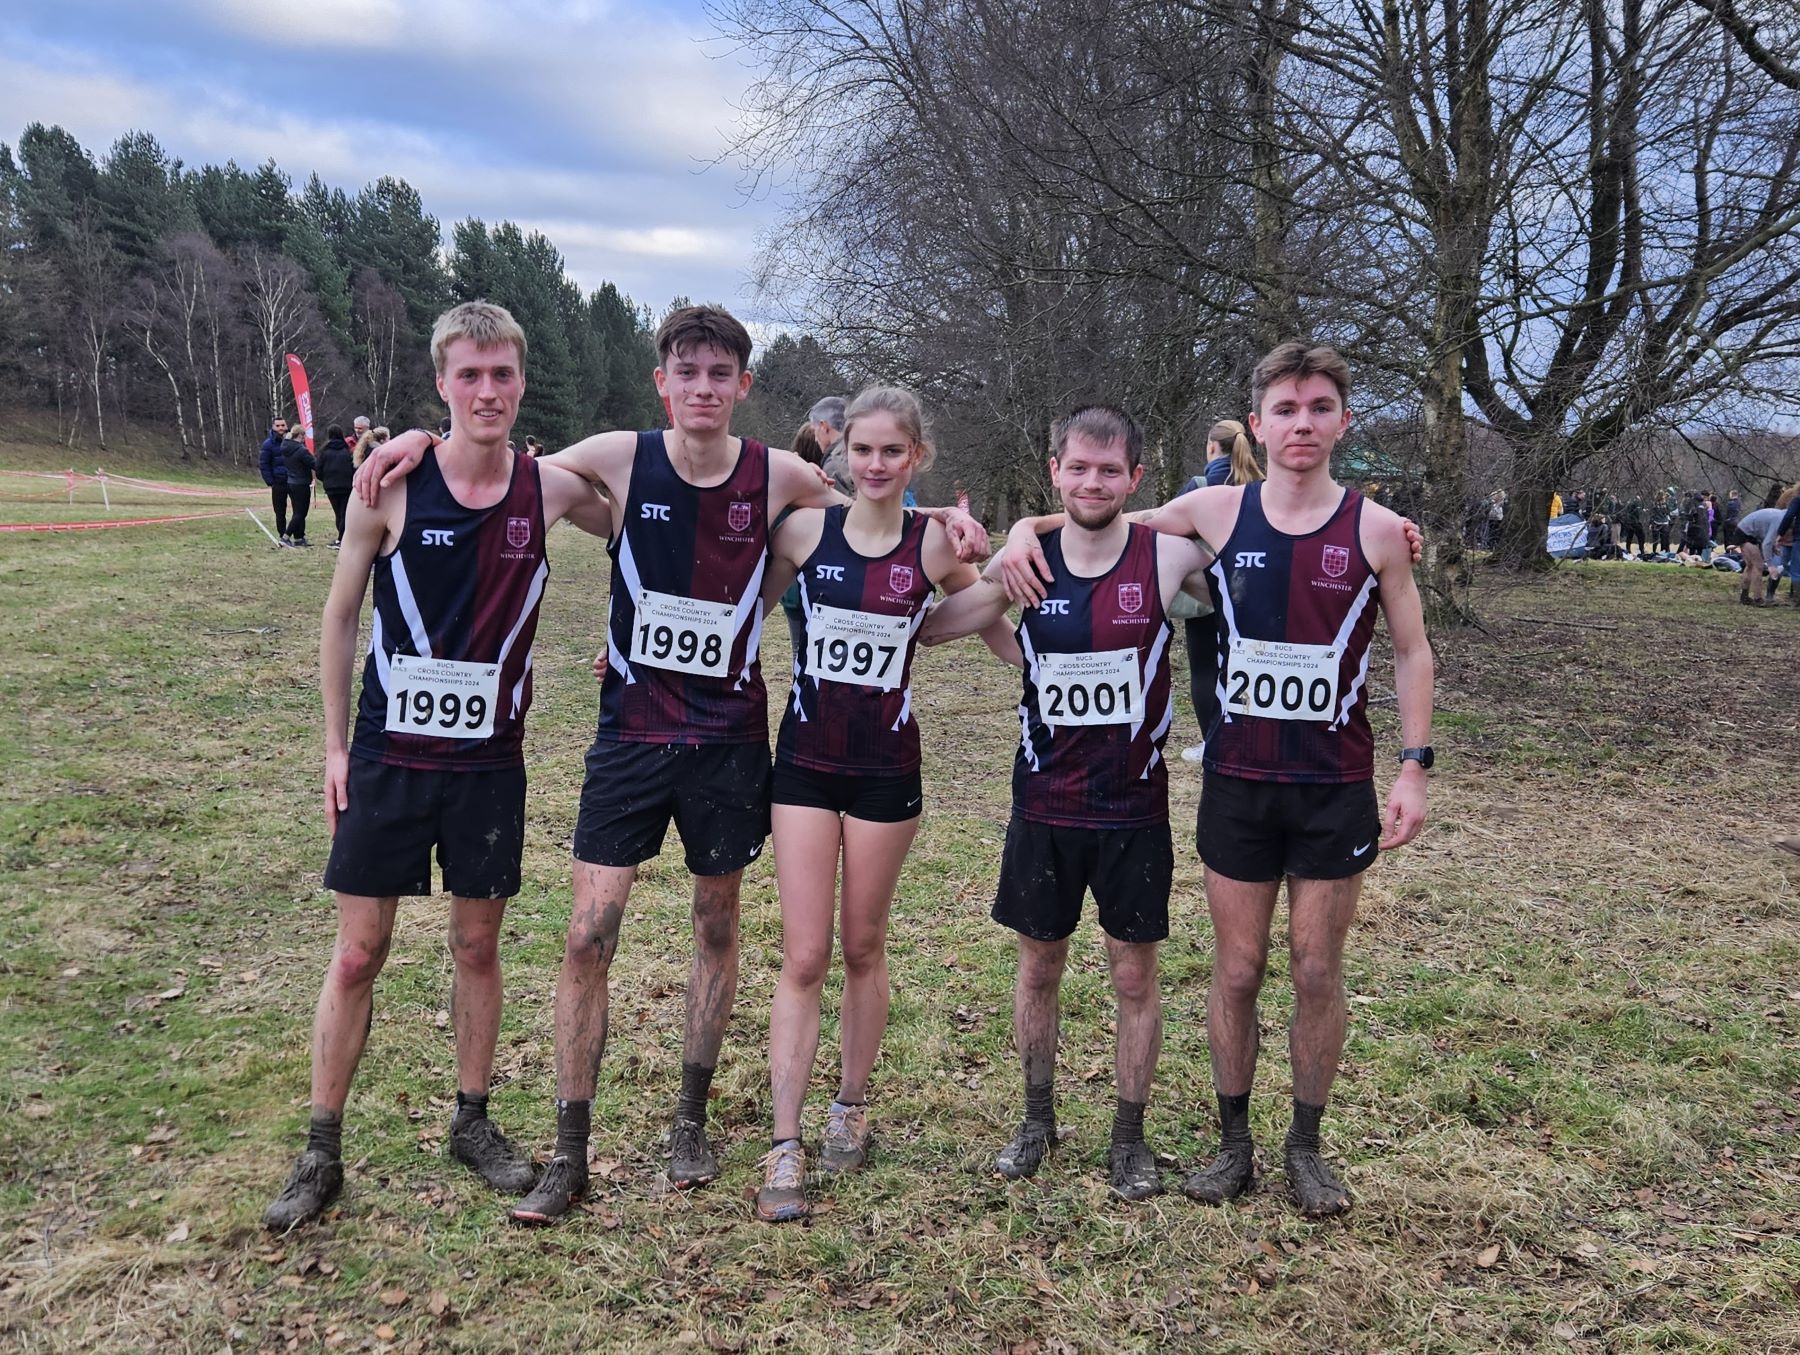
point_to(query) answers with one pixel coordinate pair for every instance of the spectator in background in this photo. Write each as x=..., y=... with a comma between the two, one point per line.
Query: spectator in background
x=300, y=466
x=373, y=438
x=444, y=427
x=1496, y=515
x=1603, y=544
x=827, y=421
x=358, y=426
x=1694, y=540
x=1789, y=531
x=1729, y=514
x=1712, y=518
x=337, y=469
x=274, y=474
x=1230, y=459
x=1662, y=515
x=533, y=448
x=1632, y=521
x=1555, y=504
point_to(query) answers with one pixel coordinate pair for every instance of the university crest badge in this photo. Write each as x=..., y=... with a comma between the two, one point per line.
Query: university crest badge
x=738, y=515
x=1131, y=597
x=518, y=533
x=900, y=578
x=1336, y=561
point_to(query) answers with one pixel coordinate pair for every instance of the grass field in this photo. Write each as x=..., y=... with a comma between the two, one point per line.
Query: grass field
x=1570, y=1108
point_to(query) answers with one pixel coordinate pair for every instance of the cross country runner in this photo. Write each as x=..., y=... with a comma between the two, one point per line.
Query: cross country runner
x=683, y=729
x=1090, y=787
x=1288, y=787
x=436, y=760
x=846, y=780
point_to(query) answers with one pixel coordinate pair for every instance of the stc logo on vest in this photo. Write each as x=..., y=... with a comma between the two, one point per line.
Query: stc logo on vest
x=654, y=512
x=437, y=536
x=829, y=572
x=1054, y=606
x=1252, y=559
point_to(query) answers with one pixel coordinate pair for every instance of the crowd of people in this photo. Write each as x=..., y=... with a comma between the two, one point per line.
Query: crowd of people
x=706, y=532
x=291, y=471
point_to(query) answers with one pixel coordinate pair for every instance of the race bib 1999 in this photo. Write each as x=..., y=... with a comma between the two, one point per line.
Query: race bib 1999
x=1090, y=689
x=864, y=649
x=682, y=633
x=447, y=698
x=1282, y=681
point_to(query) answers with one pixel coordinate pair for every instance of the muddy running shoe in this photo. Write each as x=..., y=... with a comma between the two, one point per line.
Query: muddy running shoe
x=1027, y=1151
x=782, y=1197
x=564, y=1181
x=1232, y=1173
x=481, y=1145
x=691, y=1160
x=314, y=1183
x=845, y=1147
x=1318, y=1193
x=1131, y=1169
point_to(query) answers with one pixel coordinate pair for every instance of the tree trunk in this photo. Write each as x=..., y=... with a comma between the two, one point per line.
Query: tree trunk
x=1446, y=583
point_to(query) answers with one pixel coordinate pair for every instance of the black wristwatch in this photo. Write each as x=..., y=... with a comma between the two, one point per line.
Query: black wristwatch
x=1423, y=756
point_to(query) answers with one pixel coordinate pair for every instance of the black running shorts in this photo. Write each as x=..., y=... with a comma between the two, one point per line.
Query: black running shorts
x=1257, y=831
x=717, y=794
x=1045, y=871
x=860, y=795
x=476, y=820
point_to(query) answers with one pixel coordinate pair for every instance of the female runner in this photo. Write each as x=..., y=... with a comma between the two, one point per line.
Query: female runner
x=846, y=781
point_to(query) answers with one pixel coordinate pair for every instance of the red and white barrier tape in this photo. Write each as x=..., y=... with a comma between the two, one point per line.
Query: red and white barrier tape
x=94, y=526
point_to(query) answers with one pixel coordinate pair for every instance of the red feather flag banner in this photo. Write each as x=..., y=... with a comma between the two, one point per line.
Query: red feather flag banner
x=302, y=396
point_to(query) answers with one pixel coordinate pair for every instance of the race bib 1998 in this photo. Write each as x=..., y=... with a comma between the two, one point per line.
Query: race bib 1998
x=1090, y=689
x=1282, y=681
x=448, y=698
x=865, y=649
x=682, y=633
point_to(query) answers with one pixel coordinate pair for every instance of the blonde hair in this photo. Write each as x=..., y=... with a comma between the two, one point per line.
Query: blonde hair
x=1788, y=495
x=372, y=437
x=1229, y=436
x=482, y=321
x=907, y=412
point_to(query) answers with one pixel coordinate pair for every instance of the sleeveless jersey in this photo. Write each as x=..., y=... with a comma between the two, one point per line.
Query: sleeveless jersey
x=686, y=597
x=1089, y=774
x=1298, y=612
x=840, y=724
x=462, y=584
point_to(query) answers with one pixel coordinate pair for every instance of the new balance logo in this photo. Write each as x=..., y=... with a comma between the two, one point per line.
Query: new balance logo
x=654, y=512
x=437, y=536
x=829, y=572
x=1252, y=559
x=1054, y=606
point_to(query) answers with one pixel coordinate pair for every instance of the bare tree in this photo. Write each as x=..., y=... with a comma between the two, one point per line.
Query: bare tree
x=279, y=310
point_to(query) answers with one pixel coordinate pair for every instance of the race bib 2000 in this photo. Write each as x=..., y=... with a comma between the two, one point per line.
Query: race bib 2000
x=682, y=633
x=1282, y=681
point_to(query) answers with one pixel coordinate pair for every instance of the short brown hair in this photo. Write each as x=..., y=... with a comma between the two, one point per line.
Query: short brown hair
x=484, y=322
x=1102, y=425
x=694, y=327
x=1295, y=360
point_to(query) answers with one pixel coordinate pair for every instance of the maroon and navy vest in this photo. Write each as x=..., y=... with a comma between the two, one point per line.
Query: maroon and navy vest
x=1096, y=775
x=682, y=541
x=1306, y=605
x=464, y=584
x=841, y=724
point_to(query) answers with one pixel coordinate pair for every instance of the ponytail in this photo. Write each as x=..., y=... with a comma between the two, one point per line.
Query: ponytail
x=1229, y=436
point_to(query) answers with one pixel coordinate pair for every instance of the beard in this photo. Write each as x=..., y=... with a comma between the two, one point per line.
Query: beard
x=1093, y=519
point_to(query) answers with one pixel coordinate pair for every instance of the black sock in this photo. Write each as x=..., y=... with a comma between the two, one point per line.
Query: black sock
x=468, y=1107
x=1234, y=1120
x=1040, y=1102
x=776, y=1143
x=326, y=1134
x=573, y=1120
x=1128, y=1122
x=1304, y=1131
x=695, y=1083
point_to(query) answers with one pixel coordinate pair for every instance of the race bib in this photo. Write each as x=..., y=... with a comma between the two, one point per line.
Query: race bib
x=1281, y=681
x=683, y=634
x=447, y=698
x=1090, y=689
x=863, y=649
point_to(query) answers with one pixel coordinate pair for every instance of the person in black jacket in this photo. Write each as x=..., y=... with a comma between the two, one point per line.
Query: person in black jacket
x=337, y=469
x=300, y=468
x=274, y=475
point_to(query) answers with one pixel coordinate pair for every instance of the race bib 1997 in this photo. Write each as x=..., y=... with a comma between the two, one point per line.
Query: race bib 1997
x=447, y=698
x=682, y=633
x=1090, y=689
x=1282, y=681
x=864, y=649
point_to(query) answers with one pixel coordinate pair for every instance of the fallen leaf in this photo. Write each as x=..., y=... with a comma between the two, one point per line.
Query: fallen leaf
x=1252, y=1288
x=439, y=1303
x=1643, y=1265
x=385, y=1333
x=169, y=995
x=442, y=1019
x=394, y=1298
x=163, y=1133
x=179, y=1233
x=1488, y=1257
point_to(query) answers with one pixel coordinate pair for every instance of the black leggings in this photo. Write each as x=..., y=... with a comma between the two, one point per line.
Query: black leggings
x=299, y=499
x=278, y=497
x=340, y=498
x=1633, y=534
x=1203, y=669
x=1659, y=536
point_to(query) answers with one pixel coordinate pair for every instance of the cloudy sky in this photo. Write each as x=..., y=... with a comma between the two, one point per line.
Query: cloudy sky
x=592, y=121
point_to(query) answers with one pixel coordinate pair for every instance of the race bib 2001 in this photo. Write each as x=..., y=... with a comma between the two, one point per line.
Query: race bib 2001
x=1090, y=689
x=1282, y=681
x=447, y=698
x=682, y=633
x=864, y=649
